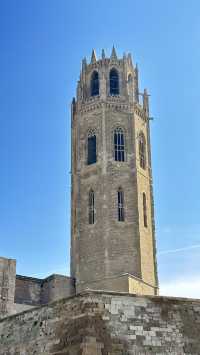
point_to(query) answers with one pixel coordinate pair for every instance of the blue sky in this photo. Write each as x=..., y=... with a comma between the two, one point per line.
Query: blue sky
x=41, y=45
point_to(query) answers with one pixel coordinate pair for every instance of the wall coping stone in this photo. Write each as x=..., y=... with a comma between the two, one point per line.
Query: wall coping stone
x=89, y=293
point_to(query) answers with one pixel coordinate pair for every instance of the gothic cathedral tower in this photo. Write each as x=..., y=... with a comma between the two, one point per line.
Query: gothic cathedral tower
x=112, y=231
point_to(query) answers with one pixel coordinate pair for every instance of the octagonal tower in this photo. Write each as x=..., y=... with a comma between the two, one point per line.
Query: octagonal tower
x=112, y=209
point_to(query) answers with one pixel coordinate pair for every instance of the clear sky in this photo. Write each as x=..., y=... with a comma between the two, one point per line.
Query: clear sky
x=41, y=47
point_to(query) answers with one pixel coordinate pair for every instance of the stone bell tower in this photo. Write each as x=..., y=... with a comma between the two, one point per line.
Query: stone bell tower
x=112, y=231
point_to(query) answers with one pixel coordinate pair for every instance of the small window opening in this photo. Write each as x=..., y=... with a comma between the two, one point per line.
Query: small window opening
x=144, y=209
x=120, y=197
x=91, y=207
x=142, y=151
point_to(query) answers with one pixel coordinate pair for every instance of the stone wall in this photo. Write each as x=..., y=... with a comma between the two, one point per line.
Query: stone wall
x=139, y=287
x=144, y=182
x=105, y=324
x=18, y=293
x=28, y=290
x=34, y=292
x=56, y=287
x=7, y=285
x=125, y=282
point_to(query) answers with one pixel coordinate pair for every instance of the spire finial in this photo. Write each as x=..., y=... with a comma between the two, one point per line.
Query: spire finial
x=113, y=54
x=93, y=57
x=84, y=63
x=146, y=102
x=130, y=59
x=103, y=54
x=136, y=84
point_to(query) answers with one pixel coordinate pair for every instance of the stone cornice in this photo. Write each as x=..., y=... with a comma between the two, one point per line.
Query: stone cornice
x=116, y=103
x=104, y=62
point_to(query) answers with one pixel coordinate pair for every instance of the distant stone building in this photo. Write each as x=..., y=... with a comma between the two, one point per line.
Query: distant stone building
x=19, y=293
x=110, y=304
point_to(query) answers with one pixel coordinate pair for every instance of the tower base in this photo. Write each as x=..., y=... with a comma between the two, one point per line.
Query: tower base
x=119, y=283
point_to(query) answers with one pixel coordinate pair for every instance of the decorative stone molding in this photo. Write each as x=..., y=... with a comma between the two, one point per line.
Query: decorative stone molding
x=140, y=112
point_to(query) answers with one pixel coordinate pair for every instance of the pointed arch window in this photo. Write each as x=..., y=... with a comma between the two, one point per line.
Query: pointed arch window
x=120, y=204
x=144, y=209
x=95, y=84
x=114, y=82
x=119, y=146
x=91, y=148
x=91, y=207
x=142, y=151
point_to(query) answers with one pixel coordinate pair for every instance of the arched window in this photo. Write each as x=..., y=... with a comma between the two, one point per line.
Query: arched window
x=91, y=207
x=120, y=204
x=144, y=209
x=95, y=84
x=114, y=82
x=142, y=151
x=119, y=146
x=91, y=148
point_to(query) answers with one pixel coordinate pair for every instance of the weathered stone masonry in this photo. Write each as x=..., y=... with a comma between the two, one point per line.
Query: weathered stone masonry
x=7, y=286
x=104, y=252
x=98, y=323
x=18, y=293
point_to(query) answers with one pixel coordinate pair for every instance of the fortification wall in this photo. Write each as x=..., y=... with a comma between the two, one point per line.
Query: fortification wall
x=97, y=323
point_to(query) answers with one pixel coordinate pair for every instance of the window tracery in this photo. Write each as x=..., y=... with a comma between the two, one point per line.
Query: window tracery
x=119, y=144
